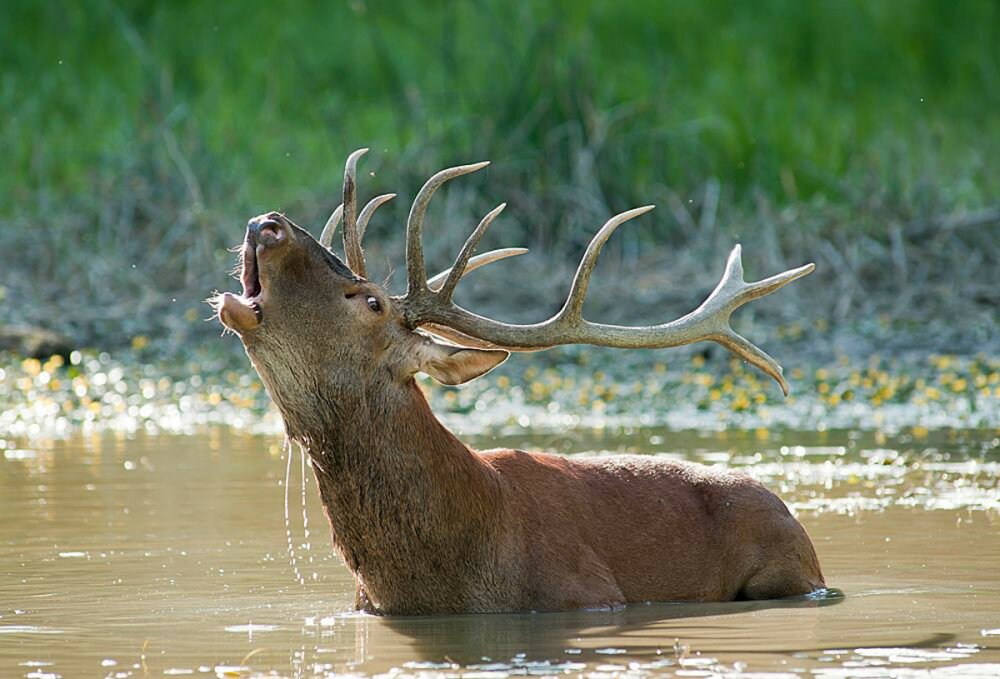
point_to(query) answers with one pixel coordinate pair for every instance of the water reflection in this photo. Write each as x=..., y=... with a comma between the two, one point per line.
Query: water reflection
x=125, y=556
x=635, y=631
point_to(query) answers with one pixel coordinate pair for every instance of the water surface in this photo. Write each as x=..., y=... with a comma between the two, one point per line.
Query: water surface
x=171, y=555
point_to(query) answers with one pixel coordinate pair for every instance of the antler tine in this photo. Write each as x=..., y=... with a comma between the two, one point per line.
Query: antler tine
x=458, y=269
x=435, y=282
x=457, y=337
x=326, y=237
x=733, y=292
x=416, y=273
x=352, y=240
x=368, y=210
x=572, y=311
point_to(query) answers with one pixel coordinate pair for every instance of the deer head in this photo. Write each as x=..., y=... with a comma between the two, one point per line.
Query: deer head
x=313, y=324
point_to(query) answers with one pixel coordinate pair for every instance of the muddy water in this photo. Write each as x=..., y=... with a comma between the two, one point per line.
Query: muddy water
x=159, y=555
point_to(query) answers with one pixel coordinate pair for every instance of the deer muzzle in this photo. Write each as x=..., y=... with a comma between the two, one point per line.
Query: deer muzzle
x=245, y=312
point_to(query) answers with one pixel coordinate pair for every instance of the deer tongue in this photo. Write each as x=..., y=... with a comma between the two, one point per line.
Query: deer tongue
x=250, y=275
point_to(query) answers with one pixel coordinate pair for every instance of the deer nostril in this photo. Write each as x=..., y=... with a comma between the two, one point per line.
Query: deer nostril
x=270, y=229
x=265, y=231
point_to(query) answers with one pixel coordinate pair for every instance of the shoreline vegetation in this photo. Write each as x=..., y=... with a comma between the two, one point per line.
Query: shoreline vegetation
x=95, y=392
x=852, y=134
x=857, y=135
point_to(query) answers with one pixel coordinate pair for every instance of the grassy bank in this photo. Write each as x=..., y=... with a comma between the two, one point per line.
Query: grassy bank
x=138, y=138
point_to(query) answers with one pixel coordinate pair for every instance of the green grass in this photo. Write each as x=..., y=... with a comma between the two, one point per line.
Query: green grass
x=143, y=135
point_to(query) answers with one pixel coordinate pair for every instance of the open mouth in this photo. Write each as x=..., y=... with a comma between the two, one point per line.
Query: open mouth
x=251, y=279
x=243, y=313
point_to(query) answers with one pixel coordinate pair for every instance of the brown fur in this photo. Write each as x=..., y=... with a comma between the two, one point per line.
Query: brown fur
x=428, y=525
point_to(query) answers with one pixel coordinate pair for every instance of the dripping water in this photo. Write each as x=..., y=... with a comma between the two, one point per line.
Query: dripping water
x=289, y=451
x=307, y=543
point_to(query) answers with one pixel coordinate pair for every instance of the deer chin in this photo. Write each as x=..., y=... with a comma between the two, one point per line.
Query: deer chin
x=239, y=313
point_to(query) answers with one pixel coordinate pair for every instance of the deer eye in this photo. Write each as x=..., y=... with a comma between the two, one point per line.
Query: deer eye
x=373, y=304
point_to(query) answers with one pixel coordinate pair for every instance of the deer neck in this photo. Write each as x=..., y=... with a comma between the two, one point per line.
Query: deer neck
x=403, y=495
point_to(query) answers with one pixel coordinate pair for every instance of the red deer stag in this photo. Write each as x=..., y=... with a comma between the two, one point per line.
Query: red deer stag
x=428, y=525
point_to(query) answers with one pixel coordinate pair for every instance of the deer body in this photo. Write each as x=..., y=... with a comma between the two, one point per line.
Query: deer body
x=426, y=524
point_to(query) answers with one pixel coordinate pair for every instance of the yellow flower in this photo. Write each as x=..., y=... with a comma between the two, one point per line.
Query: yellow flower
x=942, y=362
x=140, y=342
x=959, y=385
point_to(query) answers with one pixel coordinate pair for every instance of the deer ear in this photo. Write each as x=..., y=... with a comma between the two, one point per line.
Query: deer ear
x=449, y=364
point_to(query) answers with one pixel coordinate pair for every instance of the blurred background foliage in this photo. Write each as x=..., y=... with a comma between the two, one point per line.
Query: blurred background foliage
x=138, y=138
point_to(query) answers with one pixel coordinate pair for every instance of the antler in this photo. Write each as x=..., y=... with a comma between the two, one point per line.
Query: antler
x=434, y=309
x=353, y=236
x=355, y=225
